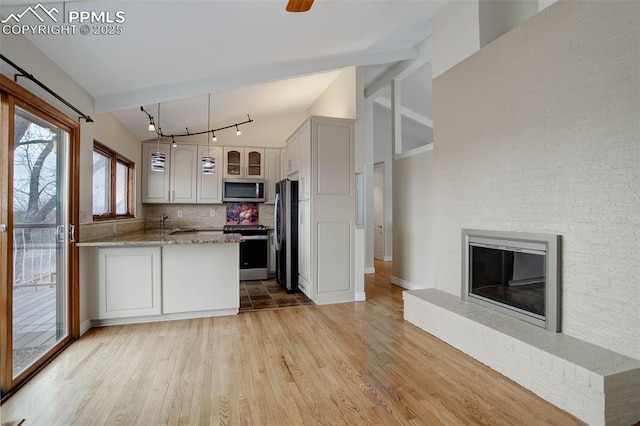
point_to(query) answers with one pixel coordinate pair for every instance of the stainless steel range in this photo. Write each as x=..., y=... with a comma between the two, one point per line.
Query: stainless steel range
x=254, y=250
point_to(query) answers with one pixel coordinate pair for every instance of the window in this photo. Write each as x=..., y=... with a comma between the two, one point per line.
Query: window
x=112, y=184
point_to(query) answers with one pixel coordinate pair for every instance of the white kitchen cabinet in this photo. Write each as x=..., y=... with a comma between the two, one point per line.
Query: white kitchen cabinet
x=184, y=174
x=291, y=157
x=129, y=282
x=304, y=153
x=182, y=180
x=178, y=182
x=304, y=244
x=243, y=162
x=271, y=173
x=326, y=210
x=209, y=187
x=200, y=277
x=155, y=185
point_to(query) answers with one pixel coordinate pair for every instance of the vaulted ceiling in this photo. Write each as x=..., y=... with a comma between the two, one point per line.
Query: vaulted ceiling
x=252, y=56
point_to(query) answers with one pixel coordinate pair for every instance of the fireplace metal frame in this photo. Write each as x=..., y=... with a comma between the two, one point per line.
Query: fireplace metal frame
x=515, y=241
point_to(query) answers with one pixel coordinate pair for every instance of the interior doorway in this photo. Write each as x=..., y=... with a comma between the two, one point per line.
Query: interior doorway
x=378, y=212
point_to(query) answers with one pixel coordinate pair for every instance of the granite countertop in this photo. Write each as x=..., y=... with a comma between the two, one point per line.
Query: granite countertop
x=159, y=237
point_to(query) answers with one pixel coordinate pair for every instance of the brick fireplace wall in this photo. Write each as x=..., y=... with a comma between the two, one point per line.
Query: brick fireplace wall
x=539, y=132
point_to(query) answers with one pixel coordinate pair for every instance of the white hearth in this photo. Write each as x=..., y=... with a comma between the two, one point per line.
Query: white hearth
x=596, y=385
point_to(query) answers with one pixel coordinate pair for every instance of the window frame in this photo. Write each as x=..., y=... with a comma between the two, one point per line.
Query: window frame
x=115, y=159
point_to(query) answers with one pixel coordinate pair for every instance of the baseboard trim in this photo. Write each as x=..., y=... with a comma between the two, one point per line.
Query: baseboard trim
x=164, y=317
x=370, y=270
x=384, y=258
x=361, y=297
x=85, y=326
x=406, y=284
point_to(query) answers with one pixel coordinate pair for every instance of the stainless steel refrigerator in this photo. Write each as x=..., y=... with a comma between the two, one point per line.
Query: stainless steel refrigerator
x=286, y=231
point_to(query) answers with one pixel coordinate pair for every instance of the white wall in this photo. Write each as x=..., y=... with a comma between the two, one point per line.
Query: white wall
x=339, y=100
x=456, y=34
x=499, y=16
x=539, y=132
x=105, y=129
x=463, y=27
x=413, y=220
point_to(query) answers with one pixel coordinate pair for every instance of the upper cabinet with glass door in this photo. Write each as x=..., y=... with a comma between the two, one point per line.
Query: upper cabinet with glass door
x=243, y=162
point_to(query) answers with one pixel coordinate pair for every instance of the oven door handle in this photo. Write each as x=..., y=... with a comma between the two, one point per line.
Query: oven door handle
x=254, y=237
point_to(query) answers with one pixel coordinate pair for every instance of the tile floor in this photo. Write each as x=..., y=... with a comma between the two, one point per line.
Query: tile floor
x=268, y=294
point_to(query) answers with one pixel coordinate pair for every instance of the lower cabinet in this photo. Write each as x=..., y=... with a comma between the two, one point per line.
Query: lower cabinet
x=304, y=246
x=187, y=280
x=200, y=277
x=129, y=282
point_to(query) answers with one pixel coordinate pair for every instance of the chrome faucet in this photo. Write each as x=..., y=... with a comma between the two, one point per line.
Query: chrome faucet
x=162, y=219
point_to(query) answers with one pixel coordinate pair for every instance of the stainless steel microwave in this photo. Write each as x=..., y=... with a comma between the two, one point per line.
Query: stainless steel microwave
x=243, y=190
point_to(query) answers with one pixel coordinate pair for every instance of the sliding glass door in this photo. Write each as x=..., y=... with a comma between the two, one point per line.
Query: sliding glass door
x=39, y=217
x=39, y=225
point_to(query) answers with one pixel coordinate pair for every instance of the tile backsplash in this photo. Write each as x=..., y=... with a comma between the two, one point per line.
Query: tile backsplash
x=193, y=216
x=103, y=229
x=197, y=216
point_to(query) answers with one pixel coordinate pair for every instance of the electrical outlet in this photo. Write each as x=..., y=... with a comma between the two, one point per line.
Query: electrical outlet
x=179, y=214
x=212, y=213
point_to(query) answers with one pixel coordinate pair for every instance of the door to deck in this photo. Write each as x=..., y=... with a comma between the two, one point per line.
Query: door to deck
x=38, y=212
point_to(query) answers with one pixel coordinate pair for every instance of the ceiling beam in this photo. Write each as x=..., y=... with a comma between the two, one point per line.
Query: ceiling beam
x=151, y=95
x=401, y=70
x=406, y=112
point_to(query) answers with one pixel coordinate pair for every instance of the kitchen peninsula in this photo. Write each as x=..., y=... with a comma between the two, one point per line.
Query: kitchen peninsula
x=158, y=275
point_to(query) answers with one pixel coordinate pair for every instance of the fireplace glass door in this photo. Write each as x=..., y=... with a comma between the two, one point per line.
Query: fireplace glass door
x=513, y=277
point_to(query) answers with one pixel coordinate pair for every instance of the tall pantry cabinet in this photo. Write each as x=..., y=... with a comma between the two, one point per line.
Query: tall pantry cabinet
x=326, y=209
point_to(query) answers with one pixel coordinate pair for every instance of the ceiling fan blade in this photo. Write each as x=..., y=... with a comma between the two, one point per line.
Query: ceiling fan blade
x=299, y=5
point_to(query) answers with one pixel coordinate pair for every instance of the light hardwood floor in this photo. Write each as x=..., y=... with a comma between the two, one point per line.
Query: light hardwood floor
x=351, y=363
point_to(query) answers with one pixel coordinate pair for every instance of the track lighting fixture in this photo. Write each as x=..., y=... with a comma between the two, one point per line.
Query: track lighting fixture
x=158, y=159
x=158, y=130
x=152, y=124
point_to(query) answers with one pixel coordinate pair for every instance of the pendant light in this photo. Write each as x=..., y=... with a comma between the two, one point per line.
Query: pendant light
x=208, y=162
x=158, y=159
